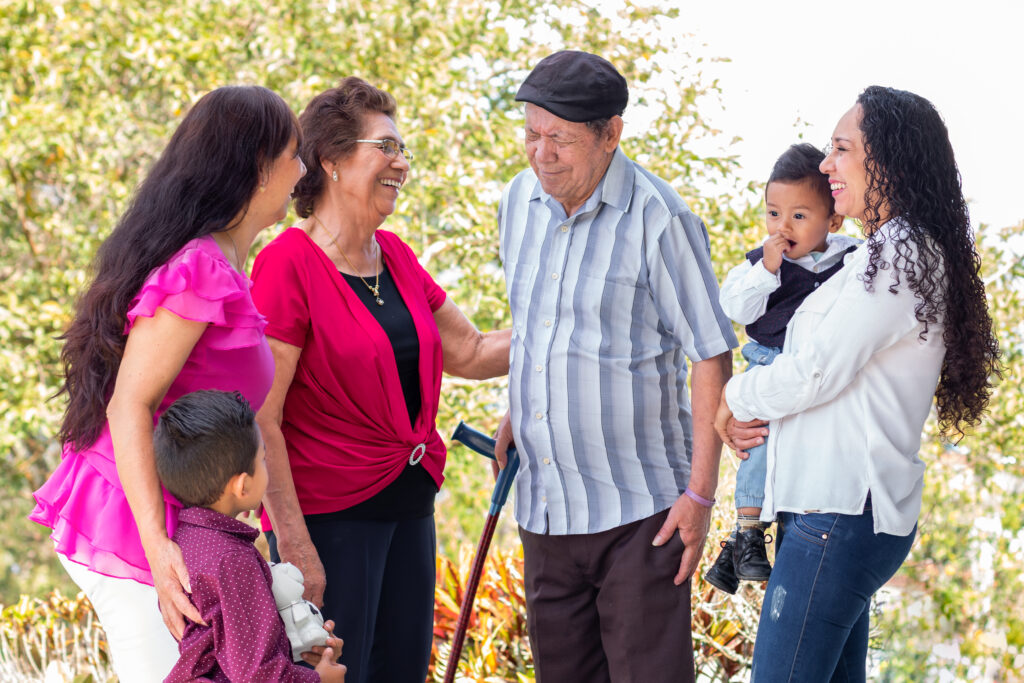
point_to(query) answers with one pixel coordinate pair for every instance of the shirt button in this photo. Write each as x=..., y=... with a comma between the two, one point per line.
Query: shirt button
x=539, y=416
x=816, y=284
x=554, y=276
x=543, y=499
x=565, y=228
x=539, y=368
x=547, y=323
x=547, y=461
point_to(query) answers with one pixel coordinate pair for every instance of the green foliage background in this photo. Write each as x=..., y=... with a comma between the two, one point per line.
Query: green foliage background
x=91, y=90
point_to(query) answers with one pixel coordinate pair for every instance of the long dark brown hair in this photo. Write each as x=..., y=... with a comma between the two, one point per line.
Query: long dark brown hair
x=202, y=183
x=913, y=175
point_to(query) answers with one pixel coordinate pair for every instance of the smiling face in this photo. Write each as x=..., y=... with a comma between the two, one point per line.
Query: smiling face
x=798, y=212
x=368, y=180
x=844, y=166
x=568, y=158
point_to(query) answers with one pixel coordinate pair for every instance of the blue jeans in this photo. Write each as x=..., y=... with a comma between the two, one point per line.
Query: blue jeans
x=814, y=620
x=752, y=471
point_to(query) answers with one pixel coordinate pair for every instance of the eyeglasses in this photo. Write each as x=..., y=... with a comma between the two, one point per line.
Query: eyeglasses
x=390, y=148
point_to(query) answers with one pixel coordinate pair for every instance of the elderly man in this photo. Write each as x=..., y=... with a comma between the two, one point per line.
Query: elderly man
x=611, y=289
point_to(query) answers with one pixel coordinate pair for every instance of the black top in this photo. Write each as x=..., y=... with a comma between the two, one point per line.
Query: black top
x=396, y=320
x=411, y=495
x=796, y=283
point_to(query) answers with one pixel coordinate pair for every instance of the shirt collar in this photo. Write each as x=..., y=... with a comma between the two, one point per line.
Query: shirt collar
x=211, y=519
x=615, y=187
x=835, y=250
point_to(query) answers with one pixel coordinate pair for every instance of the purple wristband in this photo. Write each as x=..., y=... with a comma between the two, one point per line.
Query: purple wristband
x=699, y=498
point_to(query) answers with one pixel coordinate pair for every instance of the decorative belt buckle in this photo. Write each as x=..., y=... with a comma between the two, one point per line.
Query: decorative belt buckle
x=417, y=454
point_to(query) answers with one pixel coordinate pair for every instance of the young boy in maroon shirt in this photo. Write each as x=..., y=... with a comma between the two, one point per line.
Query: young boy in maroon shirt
x=210, y=456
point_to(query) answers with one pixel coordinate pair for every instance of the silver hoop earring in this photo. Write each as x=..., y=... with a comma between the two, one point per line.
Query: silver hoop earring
x=334, y=176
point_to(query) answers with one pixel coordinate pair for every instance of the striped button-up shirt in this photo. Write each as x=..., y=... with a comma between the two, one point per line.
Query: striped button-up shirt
x=607, y=304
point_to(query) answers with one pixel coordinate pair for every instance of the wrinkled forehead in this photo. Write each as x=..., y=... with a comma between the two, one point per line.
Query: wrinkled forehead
x=543, y=122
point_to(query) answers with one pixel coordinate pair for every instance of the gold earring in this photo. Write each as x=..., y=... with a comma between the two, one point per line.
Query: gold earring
x=334, y=175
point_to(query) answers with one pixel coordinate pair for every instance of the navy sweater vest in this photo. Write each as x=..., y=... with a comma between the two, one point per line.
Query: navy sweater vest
x=796, y=284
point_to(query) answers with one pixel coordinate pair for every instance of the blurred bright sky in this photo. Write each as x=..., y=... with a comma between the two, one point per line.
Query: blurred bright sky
x=803, y=62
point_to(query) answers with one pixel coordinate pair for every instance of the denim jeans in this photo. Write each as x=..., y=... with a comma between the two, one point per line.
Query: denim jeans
x=814, y=620
x=752, y=471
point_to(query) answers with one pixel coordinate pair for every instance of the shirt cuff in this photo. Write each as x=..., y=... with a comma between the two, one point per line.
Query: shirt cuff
x=762, y=280
x=733, y=394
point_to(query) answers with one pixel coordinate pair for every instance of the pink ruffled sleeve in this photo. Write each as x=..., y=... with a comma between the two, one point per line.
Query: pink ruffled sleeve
x=199, y=284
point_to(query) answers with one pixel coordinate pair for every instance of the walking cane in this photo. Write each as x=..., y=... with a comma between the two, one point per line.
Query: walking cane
x=484, y=445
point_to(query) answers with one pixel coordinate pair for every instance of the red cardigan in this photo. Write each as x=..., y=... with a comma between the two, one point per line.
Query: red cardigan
x=345, y=421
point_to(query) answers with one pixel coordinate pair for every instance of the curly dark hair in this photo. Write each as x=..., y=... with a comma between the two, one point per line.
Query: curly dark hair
x=912, y=175
x=202, y=183
x=331, y=123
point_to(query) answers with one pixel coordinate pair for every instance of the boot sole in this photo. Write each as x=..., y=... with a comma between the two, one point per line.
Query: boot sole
x=731, y=590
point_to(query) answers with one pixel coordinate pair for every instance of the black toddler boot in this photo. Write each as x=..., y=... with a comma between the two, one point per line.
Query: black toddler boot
x=722, y=575
x=749, y=558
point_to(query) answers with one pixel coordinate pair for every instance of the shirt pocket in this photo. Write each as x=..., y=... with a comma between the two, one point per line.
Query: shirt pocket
x=521, y=277
x=811, y=312
x=606, y=312
x=815, y=527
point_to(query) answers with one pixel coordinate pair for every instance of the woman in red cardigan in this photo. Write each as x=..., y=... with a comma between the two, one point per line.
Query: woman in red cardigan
x=360, y=333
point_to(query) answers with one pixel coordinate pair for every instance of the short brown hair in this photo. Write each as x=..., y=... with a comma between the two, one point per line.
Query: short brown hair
x=203, y=440
x=331, y=123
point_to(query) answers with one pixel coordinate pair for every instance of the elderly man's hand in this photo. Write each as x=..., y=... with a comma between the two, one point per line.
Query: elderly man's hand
x=502, y=442
x=692, y=521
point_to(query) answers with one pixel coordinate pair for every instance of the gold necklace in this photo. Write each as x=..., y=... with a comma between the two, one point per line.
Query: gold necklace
x=375, y=288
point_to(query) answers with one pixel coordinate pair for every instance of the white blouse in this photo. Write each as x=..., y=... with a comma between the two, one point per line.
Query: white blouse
x=847, y=399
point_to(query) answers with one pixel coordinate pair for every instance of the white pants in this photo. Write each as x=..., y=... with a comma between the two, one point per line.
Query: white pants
x=141, y=647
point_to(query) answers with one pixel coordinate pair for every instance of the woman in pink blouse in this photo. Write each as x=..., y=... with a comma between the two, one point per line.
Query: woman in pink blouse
x=360, y=334
x=169, y=312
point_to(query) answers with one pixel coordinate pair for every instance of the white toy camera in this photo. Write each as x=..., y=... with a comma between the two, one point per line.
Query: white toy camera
x=302, y=620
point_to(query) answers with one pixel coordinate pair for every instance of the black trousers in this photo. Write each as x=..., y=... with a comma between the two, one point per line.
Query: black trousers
x=602, y=607
x=380, y=594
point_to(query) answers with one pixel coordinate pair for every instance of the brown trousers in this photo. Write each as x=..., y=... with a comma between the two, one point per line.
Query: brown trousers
x=602, y=607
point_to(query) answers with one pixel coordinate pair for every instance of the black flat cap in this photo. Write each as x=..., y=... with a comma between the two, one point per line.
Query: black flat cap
x=576, y=86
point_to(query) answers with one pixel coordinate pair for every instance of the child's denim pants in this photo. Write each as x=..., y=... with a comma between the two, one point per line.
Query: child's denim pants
x=750, y=477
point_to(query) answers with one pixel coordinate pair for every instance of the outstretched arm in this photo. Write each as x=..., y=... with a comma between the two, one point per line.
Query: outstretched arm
x=468, y=352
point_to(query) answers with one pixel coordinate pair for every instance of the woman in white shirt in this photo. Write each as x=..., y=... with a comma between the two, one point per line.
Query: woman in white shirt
x=905, y=320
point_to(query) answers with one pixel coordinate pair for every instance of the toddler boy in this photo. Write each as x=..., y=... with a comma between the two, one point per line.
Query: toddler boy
x=763, y=292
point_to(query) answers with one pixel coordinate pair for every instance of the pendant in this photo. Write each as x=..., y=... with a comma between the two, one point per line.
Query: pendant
x=380, y=302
